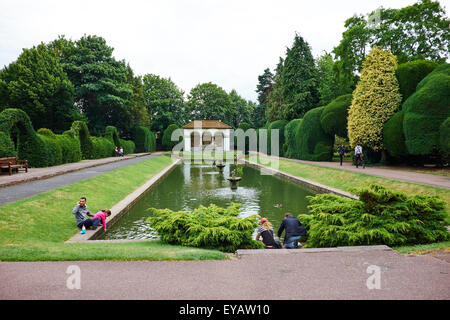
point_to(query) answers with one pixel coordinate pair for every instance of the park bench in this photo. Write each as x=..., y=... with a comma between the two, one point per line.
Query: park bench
x=11, y=163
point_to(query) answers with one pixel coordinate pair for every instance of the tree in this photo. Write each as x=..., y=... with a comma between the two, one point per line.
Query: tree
x=164, y=102
x=208, y=101
x=243, y=109
x=102, y=92
x=299, y=80
x=37, y=84
x=263, y=88
x=375, y=99
x=139, y=114
x=275, y=107
x=415, y=32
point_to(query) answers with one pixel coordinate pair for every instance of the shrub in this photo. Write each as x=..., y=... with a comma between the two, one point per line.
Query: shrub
x=381, y=216
x=167, y=137
x=291, y=139
x=53, y=149
x=393, y=137
x=144, y=139
x=278, y=124
x=334, y=116
x=444, y=139
x=112, y=135
x=314, y=143
x=207, y=227
x=409, y=74
x=102, y=147
x=80, y=130
x=425, y=111
x=6, y=146
x=128, y=146
x=71, y=150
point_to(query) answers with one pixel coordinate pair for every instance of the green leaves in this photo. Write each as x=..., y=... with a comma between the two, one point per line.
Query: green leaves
x=207, y=227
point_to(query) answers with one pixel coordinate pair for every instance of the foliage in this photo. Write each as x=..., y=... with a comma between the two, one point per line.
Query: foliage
x=418, y=31
x=275, y=105
x=425, y=111
x=444, y=138
x=128, y=146
x=37, y=84
x=292, y=139
x=167, y=137
x=334, y=116
x=144, y=139
x=380, y=216
x=409, y=75
x=393, y=137
x=276, y=125
x=80, y=130
x=53, y=149
x=299, y=80
x=243, y=109
x=207, y=227
x=314, y=143
x=264, y=86
x=375, y=99
x=112, y=135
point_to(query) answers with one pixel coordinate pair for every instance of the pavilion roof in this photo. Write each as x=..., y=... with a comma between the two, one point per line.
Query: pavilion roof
x=206, y=124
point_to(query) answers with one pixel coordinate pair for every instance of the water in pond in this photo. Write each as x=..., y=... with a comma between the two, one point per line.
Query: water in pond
x=190, y=185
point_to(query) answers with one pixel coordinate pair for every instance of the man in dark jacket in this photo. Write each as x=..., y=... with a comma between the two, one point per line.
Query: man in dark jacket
x=294, y=231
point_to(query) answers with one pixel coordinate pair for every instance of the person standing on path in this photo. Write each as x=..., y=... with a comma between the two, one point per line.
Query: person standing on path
x=341, y=152
x=294, y=231
x=81, y=212
x=358, y=154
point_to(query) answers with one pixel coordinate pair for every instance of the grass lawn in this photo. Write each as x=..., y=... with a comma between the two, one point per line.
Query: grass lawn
x=35, y=228
x=346, y=180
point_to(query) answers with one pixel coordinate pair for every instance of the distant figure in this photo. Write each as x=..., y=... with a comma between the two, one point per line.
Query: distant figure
x=341, y=152
x=121, y=152
x=358, y=154
x=294, y=231
x=266, y=232
x=278, y=205
x=103, y=215
x=81, y=212
x=116, y=152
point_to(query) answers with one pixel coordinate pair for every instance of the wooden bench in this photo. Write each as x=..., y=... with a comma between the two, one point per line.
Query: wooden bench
x=12, y=163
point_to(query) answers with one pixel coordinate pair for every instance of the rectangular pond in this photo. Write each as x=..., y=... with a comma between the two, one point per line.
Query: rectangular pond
x=189, y=185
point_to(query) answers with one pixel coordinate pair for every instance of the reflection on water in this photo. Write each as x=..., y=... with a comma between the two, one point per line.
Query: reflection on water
x=190, y=185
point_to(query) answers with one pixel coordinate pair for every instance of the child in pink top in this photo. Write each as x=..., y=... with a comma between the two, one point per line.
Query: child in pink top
x=102, y=215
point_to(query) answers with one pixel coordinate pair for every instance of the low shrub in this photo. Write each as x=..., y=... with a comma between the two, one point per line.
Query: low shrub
x=291, y=146
x=380, y=216
x=102, y=147
x=128, y=146
x=53, y=149
x=206, y=227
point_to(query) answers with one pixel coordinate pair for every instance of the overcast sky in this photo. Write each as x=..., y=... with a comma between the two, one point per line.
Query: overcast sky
x=227, y=42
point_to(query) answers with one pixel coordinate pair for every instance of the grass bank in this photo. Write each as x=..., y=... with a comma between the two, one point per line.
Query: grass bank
x=35, y=228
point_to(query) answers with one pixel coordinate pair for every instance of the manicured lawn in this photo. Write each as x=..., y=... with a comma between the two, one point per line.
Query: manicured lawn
x=36, y=228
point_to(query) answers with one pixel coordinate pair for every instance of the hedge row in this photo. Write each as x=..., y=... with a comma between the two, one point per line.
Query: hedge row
x=144, y=139
x=44, y=148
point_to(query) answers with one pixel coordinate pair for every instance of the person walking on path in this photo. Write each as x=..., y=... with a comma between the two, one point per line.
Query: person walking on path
x=358, y=154
x=266, y=232
x=81, y=212
x=341, y=152
x=103, y=215
x=294, y=231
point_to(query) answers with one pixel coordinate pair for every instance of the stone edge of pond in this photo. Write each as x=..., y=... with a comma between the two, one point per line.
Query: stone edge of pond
x=248, y=252
x=122, y=207
x=307, y=183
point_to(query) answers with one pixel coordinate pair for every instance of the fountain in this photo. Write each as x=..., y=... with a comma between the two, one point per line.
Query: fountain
x=233, y=179
x=220, y=166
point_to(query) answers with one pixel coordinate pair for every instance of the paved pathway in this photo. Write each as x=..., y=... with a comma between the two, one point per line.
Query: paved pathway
x=384, y=172
x=276, y=276
x=38, y=180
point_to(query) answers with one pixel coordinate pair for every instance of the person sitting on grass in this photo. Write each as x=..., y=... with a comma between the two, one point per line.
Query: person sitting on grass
x=103, y=215
x=266, y=232
x=294, y=231
x=81, y=212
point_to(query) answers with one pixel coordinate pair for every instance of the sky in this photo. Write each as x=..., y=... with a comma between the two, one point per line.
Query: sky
x=227, y=42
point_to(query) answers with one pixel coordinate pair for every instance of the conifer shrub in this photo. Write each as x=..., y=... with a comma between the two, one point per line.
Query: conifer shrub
x=393, y=137
x=112, y=135
x=102, y=147
x=276, y=125
x=144, y=139
x=70, y=146
x=444, y=139
x=128, y=146
x=334, y=116
x=291, y=139
x=6, y=146
x=167, y=137
x=53, y=149
x=380, y=216
x=425, y=111
x=409, y=75
x=314, y=143
x=210, y=227
x=80, y=130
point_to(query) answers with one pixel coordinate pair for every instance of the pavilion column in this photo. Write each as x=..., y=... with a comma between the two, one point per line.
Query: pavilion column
x=226, y=140
x=187, y=140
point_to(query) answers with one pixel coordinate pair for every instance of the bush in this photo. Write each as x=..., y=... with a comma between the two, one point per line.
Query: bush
x=393, y=137
x=144, y=139
x=71, y=149
x=278, y=124
x=6, y=146
x=425, y=111
x=444, y=139
x=206, y=227
x=80, y=130
x=128, y=146
x=409, y=74
x=291, y=139
x=381, y=216
x=334, y=116
x=112, y=135
x=167, y=137
x=314, y=143
x=53, y=149
x=102, y=147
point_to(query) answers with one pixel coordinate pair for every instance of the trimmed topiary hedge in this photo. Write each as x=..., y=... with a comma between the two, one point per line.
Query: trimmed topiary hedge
x=112, y=135
x=334, y=116
x=444, y=139
x=53, y=149
x=80, y=130
x=280, y=125
x=128, y=146
x=6, y=146
x=144, y=139
x=167, y=137
x=409, y=75
x=291, y=139
x=314, y=143
x=71, y=149
x=393, y=137
x=425, y=111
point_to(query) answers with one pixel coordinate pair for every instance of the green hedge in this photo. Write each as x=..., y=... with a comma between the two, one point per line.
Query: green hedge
x=102, y=147
x=53, y=149
x=334, y=116
x=71, y=149
x=80, y=130
x=144, y=139
x=167, y=137
x=280, y=125
x=425, y=111
x=393, y=137
x=409, y=75
x=112, y=135
x=314, y=143
x=444, y=139
x=291, y=145
x=128, y=146
x=6, y=146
